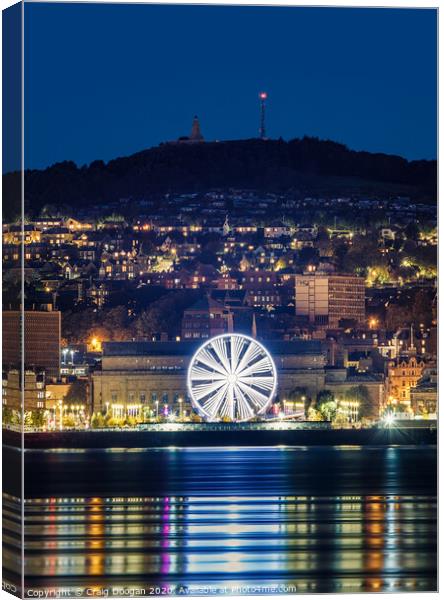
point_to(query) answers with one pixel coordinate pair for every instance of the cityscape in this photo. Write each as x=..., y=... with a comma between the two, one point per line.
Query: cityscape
x=121, y=296
x=220, y=332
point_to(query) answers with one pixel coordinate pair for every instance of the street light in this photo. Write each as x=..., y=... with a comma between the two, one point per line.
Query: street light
x=61, y=414
x=64, y=352
x=180, y=408
x=373, y=323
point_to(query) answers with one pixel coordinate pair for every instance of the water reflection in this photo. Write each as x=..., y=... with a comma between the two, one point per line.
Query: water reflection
x=313, y=542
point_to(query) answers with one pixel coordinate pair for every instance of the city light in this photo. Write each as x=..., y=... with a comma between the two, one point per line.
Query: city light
x=389, y=419
x=220, y=369
x=96, y=345
x=373, y=323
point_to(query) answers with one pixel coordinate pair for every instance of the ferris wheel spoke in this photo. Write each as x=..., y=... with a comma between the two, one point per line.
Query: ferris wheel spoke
x=253, y=380
x=257, y=397
x=221, y=348
x=261, y=366
x=204, y=390
x=230, y=401
x=250, y=354
x=213, y=404
x=209, y=361
x=245, y=409
x=236, y=349
x=199, y=374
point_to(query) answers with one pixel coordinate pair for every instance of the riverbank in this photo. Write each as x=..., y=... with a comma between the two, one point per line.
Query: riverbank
x=228, y=436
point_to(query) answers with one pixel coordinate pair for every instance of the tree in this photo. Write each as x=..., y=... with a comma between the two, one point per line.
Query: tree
x=308, y=255
x=340, y=420
x=97, y=421
x=314, y=415
x=326, y=405
x=363, y=255
x=412, y=231
x=163, y=315
x=38, y=418
x=340, y=252
x=328, y=410
x=77, y=392
x=11, y=416
x=115, y=422
x=69, y=421
x=7, y=415
x=298, y=394
x=28, y=419
x=397, y=316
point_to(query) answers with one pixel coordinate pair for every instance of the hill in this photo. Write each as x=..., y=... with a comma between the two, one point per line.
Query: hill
x=306, y=164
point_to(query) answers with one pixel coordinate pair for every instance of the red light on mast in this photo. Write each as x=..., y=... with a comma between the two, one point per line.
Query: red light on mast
x=263, y=95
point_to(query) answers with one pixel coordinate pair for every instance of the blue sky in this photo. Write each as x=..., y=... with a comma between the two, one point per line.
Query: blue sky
x=103, y=81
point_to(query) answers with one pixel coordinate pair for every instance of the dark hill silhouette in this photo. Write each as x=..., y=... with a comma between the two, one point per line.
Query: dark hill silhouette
x=270, y=165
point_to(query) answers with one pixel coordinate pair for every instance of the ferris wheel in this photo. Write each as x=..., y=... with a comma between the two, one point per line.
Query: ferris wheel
x=233, y=377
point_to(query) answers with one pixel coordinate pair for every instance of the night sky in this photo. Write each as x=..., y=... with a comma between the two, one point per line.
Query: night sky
x=103, y=81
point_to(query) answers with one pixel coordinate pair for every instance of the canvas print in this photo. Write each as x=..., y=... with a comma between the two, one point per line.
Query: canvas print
x=219, y=300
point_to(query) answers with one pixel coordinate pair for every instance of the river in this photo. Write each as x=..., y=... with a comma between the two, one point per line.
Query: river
x=224, y=520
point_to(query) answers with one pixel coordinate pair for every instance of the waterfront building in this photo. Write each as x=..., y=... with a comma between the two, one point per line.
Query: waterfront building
x=326, y=299
x=346, y=384
x=424, y=396
x=151, y=377
x=34, y=393
x=42, y=340
x=403, y=375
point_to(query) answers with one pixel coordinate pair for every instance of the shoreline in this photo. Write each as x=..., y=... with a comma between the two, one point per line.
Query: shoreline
x=223, y=438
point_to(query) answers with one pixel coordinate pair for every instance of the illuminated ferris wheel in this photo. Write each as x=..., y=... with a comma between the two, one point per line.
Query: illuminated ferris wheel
x=233, y=377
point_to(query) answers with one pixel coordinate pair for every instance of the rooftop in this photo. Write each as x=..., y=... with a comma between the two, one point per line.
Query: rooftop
x=275, y=347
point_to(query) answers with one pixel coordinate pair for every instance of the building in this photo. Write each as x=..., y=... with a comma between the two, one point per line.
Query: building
x=261, y=288
x=16, y=235
x=327, y=299
x=152, y=376
x=206, y=319
x=42, y=340
x=403, y=375
x=424, y=397
x=34, y=396
x=195, y=136
x=57, y=236
x=344, y=383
